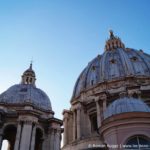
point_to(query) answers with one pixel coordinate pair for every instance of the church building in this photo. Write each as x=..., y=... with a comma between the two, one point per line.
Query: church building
x=110, y=105
x=27, y=120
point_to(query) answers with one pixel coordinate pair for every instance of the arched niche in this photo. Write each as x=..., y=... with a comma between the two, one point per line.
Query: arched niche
x=38, y=139
x=9, y=136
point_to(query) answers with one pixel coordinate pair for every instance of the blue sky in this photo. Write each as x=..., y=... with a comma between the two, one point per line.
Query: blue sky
x=62, y=36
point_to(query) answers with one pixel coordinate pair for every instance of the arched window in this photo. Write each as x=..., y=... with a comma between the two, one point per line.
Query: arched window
x=137, y=143
x=9, y=137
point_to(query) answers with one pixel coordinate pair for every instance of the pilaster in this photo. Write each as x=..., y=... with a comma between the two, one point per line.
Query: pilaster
x=74, y=125
x=65, y=123
x=79, y=121
x=33, y=138
x=98, y=112
x=26, y=135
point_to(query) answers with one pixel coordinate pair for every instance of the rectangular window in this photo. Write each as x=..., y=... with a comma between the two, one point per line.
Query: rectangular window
x=93, y=119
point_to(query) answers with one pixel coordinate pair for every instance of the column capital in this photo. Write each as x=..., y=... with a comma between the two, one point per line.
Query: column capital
x=51, y=130
x=66, y=111
x=103, y=97
x=76, y=107
x=28, y=119
x=134, y=91
x=65, y=114
x=59, y=131
x=73, y=108
x=96, y=99
x=122, y=94
x=65, y=117
x=83, y=95
x=79, y=106
x=55, y=130
x=100, y=97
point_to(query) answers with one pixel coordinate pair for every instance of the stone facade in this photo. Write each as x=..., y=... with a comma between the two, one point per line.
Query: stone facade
x=26, y=118
x=119, y=76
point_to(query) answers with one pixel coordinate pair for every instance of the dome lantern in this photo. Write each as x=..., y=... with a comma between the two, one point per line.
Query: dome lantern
x=28, y=76
x=113, y=42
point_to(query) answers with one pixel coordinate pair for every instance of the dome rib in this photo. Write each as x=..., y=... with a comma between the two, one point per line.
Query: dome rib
x=144, y=59
x=92, y=74
x=82, y=79
x=126, y=62
x=103, y=66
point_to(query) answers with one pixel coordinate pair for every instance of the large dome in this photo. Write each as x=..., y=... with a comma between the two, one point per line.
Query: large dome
x=124, y=105
x=115, y=63
x=22, y=93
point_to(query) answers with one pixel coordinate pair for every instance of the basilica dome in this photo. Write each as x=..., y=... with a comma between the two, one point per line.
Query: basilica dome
x=115, y=63
x=124, y=105
x=26, y=92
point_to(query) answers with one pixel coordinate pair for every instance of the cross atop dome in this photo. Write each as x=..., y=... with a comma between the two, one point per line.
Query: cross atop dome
x=30, y=66
x=28, y=76
x=113, y=42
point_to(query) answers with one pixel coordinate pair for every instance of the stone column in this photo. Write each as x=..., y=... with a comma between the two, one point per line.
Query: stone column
x=33, y=138
x=104, y=105
x=65, y=122
x=98, y=112
x=57, y=139
x=46, y=143
x=52, y=139
x=74, y=125
x=18, y=137
x=79, y=122
x=26, y=135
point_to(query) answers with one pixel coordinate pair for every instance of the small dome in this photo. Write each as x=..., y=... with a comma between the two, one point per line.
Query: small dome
x=115, y=63
x=26, y=92
x=124, y=105
x=21, y=93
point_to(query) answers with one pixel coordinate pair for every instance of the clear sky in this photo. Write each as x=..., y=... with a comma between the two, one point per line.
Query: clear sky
x=62, y=36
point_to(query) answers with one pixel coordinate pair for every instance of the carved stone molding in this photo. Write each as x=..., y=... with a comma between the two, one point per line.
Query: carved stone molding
x=28, y=119
x=134, y=91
